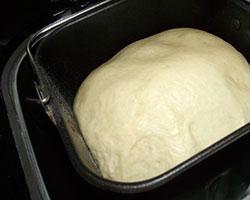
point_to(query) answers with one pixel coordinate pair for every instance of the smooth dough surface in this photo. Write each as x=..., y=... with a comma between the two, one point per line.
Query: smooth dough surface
x=161, y=100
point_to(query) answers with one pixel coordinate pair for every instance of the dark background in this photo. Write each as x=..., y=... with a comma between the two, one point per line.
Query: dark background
x=18, y=19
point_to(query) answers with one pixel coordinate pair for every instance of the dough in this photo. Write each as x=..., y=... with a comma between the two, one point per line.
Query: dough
x=160, y=101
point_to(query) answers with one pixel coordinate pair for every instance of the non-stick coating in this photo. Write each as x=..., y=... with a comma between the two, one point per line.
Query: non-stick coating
x=68, y=55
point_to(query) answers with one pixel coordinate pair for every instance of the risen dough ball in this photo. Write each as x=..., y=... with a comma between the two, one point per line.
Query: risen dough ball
x=161, y=100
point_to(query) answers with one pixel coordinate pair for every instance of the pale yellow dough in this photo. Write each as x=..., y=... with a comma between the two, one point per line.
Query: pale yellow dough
x=161, y=100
